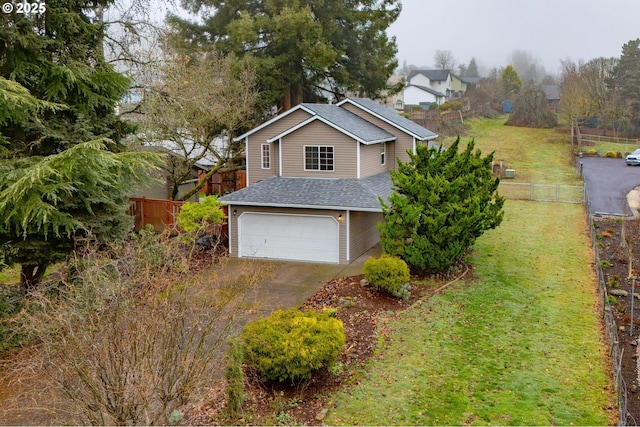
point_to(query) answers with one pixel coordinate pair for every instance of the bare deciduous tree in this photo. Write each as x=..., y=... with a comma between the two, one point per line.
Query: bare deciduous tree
x=132, y=341
x=575, y=103
x=195, y=109
x=444, y=60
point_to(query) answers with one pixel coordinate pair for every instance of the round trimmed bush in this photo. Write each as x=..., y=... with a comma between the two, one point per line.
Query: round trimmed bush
x=388, y=273
x=291, y=345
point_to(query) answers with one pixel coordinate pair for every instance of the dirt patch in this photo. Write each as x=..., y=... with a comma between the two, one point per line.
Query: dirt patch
x=618, y=246
x=365, y=313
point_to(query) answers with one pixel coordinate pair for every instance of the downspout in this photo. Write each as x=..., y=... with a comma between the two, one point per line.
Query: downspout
x=358, y=160
x=246, y=156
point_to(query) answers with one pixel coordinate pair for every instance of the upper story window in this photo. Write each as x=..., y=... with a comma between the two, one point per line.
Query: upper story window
x=318, y=158
x=266, y=156
x=383, y=152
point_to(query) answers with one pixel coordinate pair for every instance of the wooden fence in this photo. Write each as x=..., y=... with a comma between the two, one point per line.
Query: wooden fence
x=434, y=119
x=161, y=214
x=157, y=212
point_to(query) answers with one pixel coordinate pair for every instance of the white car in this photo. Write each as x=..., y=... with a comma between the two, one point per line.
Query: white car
x=633, y=158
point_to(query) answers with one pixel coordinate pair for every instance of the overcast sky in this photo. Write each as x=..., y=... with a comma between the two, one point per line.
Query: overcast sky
x=490, y=30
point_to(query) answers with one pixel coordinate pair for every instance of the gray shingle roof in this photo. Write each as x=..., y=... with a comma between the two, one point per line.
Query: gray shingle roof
x=552, y=92
x=367, y=132
x=394, y=118
x=438, y=75
x=429, y=90
x=318, y=193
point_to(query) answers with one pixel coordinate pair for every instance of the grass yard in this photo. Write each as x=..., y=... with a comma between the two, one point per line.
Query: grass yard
x=10, y=275
x=519, y=344
x=540, y=156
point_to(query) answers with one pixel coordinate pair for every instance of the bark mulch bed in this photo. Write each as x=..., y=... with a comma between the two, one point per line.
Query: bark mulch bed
x=364, y=312
x=618, y=242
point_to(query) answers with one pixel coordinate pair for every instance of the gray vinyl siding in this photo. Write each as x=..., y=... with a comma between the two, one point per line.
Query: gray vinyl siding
x=317, y=133
x=403, y=141
x=233, y=224
x=254, y=158
x=370, y=160
x=363, y=232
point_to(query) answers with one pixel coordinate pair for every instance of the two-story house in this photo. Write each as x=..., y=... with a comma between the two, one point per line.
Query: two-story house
x=432, y=86
x=315, y=174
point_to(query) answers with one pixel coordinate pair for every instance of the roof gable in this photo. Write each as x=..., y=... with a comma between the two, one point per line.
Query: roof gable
x=391, y=117
x=437, y=75
x=427, y=89
x=338, y=118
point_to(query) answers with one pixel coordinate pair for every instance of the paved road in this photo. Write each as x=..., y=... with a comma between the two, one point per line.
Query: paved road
x=608, y=181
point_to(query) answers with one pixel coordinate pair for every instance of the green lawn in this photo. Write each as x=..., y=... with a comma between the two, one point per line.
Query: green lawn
x=519, y=344
x=541, y=156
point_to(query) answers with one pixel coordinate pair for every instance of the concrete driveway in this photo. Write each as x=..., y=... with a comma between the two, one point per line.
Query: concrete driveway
x=608, y=182
x=288, y=284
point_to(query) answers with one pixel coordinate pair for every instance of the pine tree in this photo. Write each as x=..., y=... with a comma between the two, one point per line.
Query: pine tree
x=304, y=50
x=443, y=200
x=627, y=76
x=63, y=170
x=511, y=82
x=472, y=69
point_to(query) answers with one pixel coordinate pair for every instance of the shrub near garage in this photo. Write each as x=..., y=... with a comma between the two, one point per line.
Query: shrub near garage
x=291, y=345
x=388, y=273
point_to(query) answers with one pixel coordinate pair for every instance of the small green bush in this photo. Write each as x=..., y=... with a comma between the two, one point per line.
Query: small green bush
x=605, y=264
x=196, y=217
x=388, y=273
x=610, y=154
x=291, y=345
x=451, y=106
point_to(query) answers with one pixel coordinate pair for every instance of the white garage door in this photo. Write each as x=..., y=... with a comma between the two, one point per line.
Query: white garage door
x=293, y=237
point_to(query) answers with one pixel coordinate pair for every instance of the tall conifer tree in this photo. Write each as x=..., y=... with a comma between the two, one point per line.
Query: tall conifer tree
x=443, y=200
x=305, y=50
x=63, y=172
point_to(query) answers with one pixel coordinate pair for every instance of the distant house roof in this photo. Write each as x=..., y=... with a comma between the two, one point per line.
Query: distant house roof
x=202, y=156
x=552, y=92
x=392, y=117
x=435, y=75
x=427, y=89
x=324, y=193
x=344, y=121
x=470, y=80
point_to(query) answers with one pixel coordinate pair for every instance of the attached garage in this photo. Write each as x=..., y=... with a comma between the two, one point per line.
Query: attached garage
x=313, y=238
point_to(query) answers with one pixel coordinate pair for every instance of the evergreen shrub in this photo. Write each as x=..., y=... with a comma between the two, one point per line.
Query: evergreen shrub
x=388, y=273
x=291, y=345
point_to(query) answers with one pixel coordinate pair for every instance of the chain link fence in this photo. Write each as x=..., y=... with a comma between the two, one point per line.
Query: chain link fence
x=610, y=331
x=542, y=192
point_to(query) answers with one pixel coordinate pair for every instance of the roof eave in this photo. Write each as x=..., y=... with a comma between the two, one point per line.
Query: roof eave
x=303, y=206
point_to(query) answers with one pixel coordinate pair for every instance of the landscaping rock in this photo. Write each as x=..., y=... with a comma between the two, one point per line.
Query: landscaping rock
x=364, y=282
x=618, y=292
x=322, y=414
x=345, y=302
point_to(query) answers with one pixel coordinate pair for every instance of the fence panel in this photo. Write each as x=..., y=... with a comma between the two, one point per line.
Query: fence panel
x=605, y=144
x=156, y=212
x=541, y=192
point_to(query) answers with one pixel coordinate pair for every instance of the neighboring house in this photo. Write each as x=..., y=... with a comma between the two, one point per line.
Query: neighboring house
x=552, y=92
x=199, y=163
x=315, y=174
x=422, y=95
x=432, y=86
x=395, y=101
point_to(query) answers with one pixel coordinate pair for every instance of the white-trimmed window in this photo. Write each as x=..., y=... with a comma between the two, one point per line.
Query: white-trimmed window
x=383, y=152
x=266, y=156
x=318, y=158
